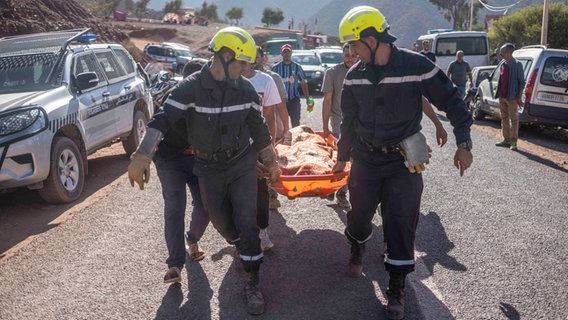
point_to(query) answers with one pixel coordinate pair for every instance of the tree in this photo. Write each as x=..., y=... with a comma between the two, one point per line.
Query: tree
x=141, y=8
x=235, y=13
x=459, y=11
x=129, y=5
x=208, y=11
x=174, y=7
x=272, y=17
x=523, y=27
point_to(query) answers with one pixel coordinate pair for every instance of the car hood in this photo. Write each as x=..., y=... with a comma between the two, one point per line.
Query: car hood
x=12, y=100
x=310, y=68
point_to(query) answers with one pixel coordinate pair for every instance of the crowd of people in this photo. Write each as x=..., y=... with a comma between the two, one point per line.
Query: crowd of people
x=216, y=132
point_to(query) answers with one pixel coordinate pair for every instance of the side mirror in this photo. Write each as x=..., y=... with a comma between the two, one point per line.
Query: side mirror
x=86, y=80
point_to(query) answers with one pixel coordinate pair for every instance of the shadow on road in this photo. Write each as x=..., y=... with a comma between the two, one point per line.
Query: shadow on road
x=542, y=160
x=23, y=213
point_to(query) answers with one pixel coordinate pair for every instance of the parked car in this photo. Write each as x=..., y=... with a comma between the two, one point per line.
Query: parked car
x=172, y=53
x=329, y=56
x=478, y=74
x=312, y=66
x=545, y=96
x=61, y=99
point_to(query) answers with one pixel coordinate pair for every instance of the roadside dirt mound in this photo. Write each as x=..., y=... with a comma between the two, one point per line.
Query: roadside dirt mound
x=155, y=35
x=31, y=16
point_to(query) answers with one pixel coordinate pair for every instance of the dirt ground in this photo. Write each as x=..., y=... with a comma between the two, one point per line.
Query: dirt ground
x=194, y=36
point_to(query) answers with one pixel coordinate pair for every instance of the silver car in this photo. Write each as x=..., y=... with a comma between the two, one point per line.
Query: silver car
x=545, y=96
x=61, y=99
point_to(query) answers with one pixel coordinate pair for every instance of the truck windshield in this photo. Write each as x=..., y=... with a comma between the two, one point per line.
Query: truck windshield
x=469, y=45
x=27, y=72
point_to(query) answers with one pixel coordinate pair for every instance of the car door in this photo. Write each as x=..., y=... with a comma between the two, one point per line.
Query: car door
x=490, y=98
x=94, y=104
x=121, y=89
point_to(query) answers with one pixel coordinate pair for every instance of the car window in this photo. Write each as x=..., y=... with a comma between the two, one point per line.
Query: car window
x=309, y=60
x=527, y=63
x=331, y=57
x=109, y=65
x=156, y=51
x=124, y=60
x=555, y=72
x=86, y=63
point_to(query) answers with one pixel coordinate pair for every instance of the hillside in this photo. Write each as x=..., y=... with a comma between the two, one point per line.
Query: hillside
x=31, y=16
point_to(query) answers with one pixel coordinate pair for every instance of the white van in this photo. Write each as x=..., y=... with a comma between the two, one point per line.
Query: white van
x=444, y=45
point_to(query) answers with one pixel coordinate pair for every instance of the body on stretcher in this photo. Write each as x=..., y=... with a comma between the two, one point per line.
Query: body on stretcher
x=319, y=185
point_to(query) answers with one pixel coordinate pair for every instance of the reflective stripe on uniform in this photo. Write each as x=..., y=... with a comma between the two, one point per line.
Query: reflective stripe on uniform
x=357, y=82
x=414, y=78
x=398, y=262
x=252, y=258
x=207, y=110
x=390, y=80
x=361, y=242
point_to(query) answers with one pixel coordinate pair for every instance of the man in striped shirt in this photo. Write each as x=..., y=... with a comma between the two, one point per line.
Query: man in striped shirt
x=292, y=74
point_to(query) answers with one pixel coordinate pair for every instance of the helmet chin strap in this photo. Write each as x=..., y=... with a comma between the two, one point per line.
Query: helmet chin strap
x=226, y=68
x=373, y=53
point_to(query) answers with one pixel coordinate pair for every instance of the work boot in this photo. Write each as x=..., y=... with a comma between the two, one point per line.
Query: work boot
x=173, y=275
x=341, y=200
x=514, y=146
x=255, y=301
x=395, y=296
x=355, y=267
x=503, y=143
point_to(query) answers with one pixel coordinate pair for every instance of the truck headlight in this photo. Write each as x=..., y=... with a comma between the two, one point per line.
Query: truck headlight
x=33, y=119
x=316, y=74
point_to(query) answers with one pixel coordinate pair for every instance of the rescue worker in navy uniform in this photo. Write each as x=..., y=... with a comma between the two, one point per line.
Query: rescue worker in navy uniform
x=381, y=105
x=222, y=112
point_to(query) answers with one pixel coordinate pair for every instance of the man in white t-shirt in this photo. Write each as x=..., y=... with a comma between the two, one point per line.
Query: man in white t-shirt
x=269, y=99
x=283, y=134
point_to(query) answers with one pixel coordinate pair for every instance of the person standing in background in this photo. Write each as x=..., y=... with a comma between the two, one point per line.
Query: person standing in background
x=269, y=100
x=426, y=51
x=459, y=71
x=331, y=88
x=509, y=91
x=292, y=74
x=283, y=134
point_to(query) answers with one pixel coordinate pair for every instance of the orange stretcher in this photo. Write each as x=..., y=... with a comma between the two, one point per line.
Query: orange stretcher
x=313, y=185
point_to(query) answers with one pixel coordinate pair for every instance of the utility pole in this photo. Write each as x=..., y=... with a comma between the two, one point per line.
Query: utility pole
x=471, y=15
x=544, y=32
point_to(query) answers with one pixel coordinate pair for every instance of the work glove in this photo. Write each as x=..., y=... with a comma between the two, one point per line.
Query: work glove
x=139, y=170
x=286, y=139
x=260, y=170
x=139, y=167
x=268, y=158
x=416, y=152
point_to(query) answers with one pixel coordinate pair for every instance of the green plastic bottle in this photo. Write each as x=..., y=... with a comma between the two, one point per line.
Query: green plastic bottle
x=310, y=104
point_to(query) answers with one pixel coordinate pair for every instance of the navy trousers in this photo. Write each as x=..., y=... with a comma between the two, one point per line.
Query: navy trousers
x=383, y=178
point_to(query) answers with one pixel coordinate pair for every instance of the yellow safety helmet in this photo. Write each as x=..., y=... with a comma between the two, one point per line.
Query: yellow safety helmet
x=361, y=18
x=237, y=40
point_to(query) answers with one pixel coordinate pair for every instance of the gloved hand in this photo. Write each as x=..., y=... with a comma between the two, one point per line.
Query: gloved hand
x=268, y=157
x=260, y=170
x=416, y=152
x=139, y=170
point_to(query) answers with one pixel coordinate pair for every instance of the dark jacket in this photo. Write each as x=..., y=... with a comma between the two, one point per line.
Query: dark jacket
x=383, y=104
x=516, y=79
x=219, y=116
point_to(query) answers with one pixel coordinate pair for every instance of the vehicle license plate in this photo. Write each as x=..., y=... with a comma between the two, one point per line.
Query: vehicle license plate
x=553, y=97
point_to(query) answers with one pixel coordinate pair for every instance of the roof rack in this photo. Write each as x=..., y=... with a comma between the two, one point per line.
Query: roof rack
x=39, y=42
x=536, y=46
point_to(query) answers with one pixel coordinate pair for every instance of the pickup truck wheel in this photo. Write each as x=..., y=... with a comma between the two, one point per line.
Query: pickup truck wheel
x=66, y=175
x=476, y=111
x=138, y=129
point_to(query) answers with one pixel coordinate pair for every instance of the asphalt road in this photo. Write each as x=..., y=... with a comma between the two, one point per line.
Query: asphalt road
x=490, y=245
